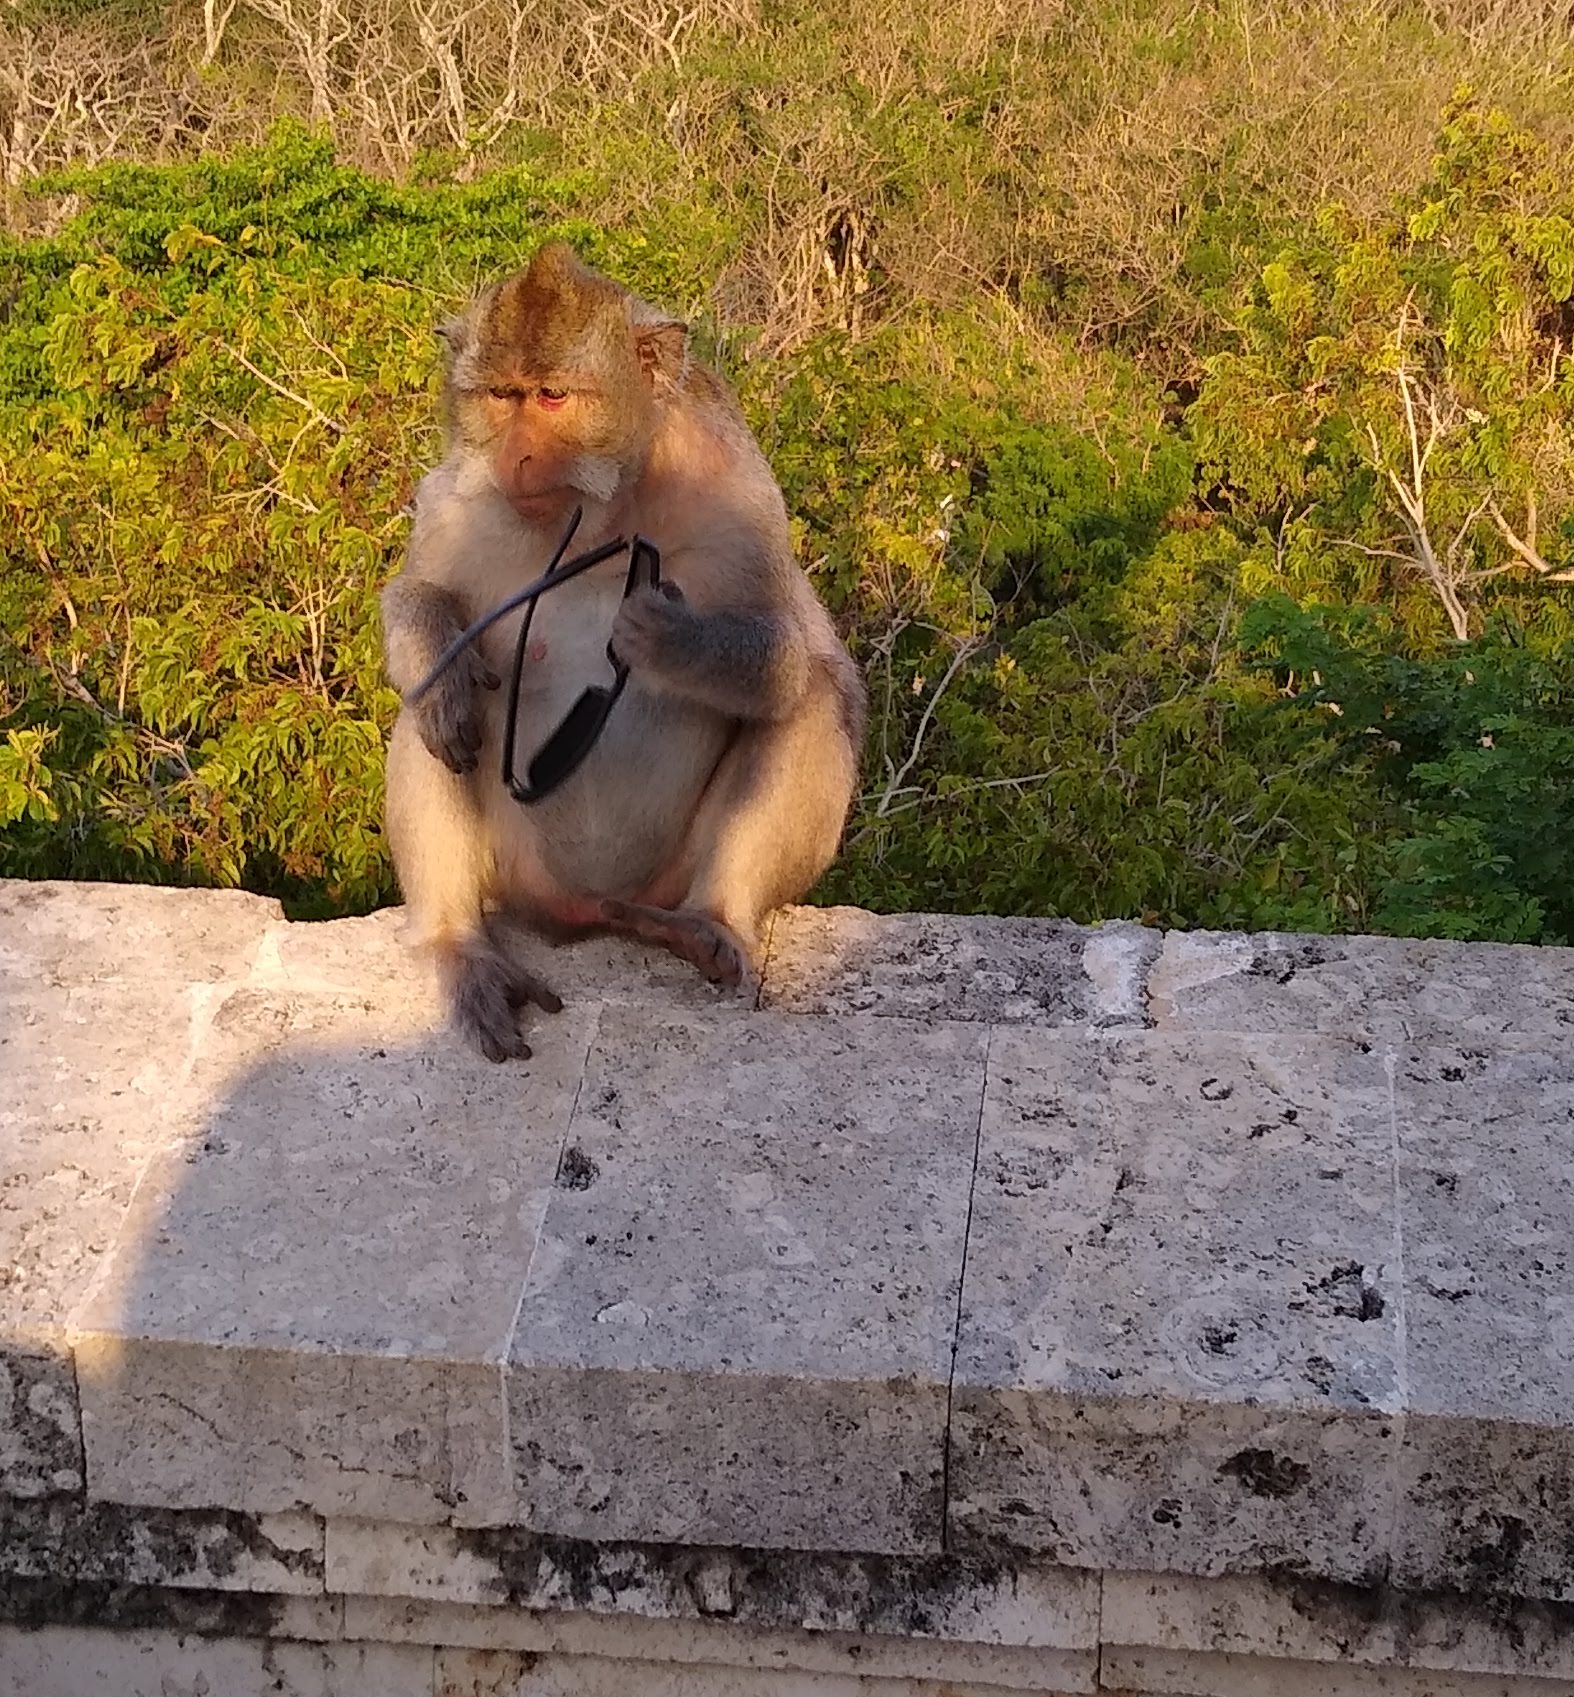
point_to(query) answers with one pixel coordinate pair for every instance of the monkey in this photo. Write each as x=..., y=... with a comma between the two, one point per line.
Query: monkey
x=720, y=786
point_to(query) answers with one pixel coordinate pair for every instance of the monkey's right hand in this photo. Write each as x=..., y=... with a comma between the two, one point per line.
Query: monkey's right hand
x=448, y=716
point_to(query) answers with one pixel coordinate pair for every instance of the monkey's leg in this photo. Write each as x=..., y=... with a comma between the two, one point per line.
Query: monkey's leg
x=768, y=826
x=717, y=952
x=443, y=859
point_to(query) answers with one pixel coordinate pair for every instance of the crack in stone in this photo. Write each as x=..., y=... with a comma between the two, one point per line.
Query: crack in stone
x=961, y=1294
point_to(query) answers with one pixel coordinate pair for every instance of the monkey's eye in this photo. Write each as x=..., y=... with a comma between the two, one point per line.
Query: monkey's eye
x=552, y=397
x=500, y=394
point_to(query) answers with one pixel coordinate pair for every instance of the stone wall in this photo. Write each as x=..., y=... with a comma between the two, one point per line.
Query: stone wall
x=999, y=1306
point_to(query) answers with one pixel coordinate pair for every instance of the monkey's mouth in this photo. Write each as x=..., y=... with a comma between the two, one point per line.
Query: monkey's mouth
x=544, y=503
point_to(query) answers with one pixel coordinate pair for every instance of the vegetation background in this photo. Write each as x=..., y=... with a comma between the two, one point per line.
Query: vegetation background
x=1176, y=402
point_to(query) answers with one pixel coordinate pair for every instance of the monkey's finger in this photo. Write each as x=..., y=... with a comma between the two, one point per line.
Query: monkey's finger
x=490, y=679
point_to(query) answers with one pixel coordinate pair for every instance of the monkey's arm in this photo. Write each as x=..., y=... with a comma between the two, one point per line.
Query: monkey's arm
x=746, y=664
x=420, y=619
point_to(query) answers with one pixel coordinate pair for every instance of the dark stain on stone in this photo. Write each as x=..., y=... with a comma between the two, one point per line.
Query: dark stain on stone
x=775, y=1589
x=1217, y=1339
x=34, y=1603
x=577, y=1170
x=1350, y=1293
x=1349, y=1612
x=1265, y=1474
x=109, y=1543
x=1214, y=1090
x=45, y=1447
x=1319, y=1373
x=1282, y=965
x=1353, y=1613
x=1492, y=1560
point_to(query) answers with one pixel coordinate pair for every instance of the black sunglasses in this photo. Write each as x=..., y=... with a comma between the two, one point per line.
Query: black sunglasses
x=561, y=755
x=563, y=752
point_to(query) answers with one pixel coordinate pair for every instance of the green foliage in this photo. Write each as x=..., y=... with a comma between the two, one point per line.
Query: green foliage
x=1125, y=657
x=1115, y=763
x=1476, y=745
x=1399, y=412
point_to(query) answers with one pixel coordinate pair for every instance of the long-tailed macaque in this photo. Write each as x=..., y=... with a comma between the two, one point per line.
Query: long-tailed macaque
x=720, y=785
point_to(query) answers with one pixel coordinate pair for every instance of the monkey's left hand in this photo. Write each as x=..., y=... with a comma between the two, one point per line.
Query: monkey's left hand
x=654, y=629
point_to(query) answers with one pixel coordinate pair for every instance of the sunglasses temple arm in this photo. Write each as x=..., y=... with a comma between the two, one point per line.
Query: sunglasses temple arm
x=549, y=579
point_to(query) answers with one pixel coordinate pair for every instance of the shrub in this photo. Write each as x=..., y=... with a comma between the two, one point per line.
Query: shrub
x=216, y=390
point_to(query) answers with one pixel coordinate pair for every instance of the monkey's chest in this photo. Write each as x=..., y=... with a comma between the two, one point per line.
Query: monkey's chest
x=619, y=819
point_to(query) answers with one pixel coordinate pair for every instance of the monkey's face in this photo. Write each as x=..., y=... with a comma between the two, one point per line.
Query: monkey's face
x=555, y=386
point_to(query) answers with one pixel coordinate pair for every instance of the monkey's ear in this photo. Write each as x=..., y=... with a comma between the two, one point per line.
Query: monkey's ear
x=663, y=349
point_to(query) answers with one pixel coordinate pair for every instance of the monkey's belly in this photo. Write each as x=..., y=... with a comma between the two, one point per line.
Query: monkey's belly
x=620, y=821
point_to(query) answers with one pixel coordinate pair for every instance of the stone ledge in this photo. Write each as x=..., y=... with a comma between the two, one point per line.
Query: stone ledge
x=604, y=1622
x=1006, y=1240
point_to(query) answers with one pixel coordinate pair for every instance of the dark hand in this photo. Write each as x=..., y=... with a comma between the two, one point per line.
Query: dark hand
x=651, y=632
x=448, y=716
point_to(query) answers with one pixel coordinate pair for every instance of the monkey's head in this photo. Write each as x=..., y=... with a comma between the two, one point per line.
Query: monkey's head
x=557, y=378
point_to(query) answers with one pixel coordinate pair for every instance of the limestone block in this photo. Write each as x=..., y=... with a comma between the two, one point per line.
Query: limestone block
x=95, y=1084
x=1288, y=1619
x=941, y=966
x=503, y=1673
x=344, y=957
x=374, y=1558
x=1179, y=1342
x=1182, y=1673
x=1385, y=986
x=76, y=1661
x=737, y=1326
x=1486, y=1179
x=70, y=934
x=725, y=1643
x=311, y=1297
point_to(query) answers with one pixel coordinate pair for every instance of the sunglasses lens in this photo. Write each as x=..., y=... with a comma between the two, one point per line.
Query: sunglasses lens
x=571, y=741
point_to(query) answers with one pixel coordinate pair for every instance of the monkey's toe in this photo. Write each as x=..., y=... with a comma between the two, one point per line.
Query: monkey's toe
x=499, y=1039
x=524, y=988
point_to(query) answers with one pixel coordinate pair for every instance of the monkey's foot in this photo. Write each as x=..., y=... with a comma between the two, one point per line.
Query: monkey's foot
x=488, y=992
x=705, y=943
